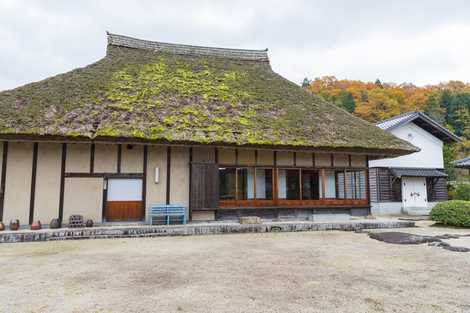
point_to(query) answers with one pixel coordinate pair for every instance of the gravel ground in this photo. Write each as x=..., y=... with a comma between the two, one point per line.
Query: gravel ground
x=274, y=272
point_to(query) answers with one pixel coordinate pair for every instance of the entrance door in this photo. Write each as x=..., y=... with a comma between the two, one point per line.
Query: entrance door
x=124, y=200
x=414, y=192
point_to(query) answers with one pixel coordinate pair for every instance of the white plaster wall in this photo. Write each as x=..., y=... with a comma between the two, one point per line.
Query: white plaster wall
x=430, y=156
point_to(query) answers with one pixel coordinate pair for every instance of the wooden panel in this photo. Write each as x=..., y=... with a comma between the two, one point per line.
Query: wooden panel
x=204, y=186
x=358, y=161
x=322, y=159
x=437, y=189
x=265, y=157
x=304, y=159
x=340, y=160
x=124, y=211
x=227, y=156
x=246, y=157
x=203, y=154
x=285, y=158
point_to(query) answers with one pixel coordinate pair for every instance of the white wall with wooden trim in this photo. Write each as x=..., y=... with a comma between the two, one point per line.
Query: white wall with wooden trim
x=78, y=158
x=46, y=204
x=106, y=158
x=179, y=176
x=18, y=182
x=156, y=191
x=132, y=158
x=84, y=196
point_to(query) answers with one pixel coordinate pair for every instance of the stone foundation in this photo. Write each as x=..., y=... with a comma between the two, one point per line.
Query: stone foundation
x=192, y=229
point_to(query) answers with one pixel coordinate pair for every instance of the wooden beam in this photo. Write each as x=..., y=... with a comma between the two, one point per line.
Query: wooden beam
x=349, y=160
x=295, y=158
x=144, y=180
x=322, y=172
x=236, y=156
x=256, y=157
x=62, y=183
x=105, y=175
x=313, y=159
x=33, y=182
x=92, y=158
x=119, y=158
x=4, y=176
x=332, y=160
x=168, y=174
x=191, y=177
x=216, y=155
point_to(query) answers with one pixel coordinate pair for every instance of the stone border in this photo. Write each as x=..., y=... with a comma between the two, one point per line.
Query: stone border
x=191, y=229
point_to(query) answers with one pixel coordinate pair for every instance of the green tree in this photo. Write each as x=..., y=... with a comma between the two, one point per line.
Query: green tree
x=434, y=109
x=449, y=156
x=346, y=101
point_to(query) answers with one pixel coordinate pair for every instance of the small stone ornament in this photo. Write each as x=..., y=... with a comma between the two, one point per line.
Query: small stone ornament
x=89, y=223
x=14, y=224
x=36, y=225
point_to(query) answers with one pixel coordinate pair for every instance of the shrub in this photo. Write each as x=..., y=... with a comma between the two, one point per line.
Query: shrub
x=454, y=213
x=462, y=192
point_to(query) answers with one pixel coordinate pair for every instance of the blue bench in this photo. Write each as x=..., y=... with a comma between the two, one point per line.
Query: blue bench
x=163, y=214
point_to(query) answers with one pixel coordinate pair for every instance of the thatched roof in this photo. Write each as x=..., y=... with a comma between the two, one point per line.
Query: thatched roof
x=177, y=93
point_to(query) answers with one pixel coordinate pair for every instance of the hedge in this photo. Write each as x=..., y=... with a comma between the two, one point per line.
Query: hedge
x=462, y=192
x=454, y=213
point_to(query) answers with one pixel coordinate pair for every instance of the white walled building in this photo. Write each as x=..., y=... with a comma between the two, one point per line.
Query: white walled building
x=413, y=183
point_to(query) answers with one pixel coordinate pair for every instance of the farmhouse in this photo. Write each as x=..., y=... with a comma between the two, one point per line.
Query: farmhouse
x=212, y=129
x=414, y=183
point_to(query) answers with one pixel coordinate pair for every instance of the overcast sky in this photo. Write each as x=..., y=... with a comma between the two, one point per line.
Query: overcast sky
x=423, y=42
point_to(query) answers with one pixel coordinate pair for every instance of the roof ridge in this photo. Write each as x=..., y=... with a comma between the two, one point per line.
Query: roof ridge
x=238, y=54
x=398, y=116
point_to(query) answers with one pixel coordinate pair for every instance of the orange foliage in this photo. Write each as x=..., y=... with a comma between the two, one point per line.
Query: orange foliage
x=377, y=101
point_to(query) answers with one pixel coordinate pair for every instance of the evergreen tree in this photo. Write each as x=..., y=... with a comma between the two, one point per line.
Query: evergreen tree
x=346, y=101
x=305, y=83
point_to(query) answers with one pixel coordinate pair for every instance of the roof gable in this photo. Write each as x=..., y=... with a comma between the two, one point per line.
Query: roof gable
x=421, y=120
x=182, y=95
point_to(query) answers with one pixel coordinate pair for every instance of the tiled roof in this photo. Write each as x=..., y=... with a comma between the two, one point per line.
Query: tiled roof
x=416, y=172
x=397, y=120
x=421, y=120
x=464, y=163
x=238, y=54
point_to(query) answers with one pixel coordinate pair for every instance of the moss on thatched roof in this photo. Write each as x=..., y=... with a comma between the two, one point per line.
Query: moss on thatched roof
x=185, y=94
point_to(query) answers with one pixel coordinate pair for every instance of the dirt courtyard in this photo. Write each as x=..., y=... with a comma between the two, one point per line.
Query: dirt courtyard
x=273, y=272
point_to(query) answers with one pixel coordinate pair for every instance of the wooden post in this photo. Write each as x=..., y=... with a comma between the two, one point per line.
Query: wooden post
x=3, y=178
x=144, y=180
x=33, y=182
x=168, y=174
x=62, y=183
x=344, y=185
x=92, y=158
x=322, y=172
